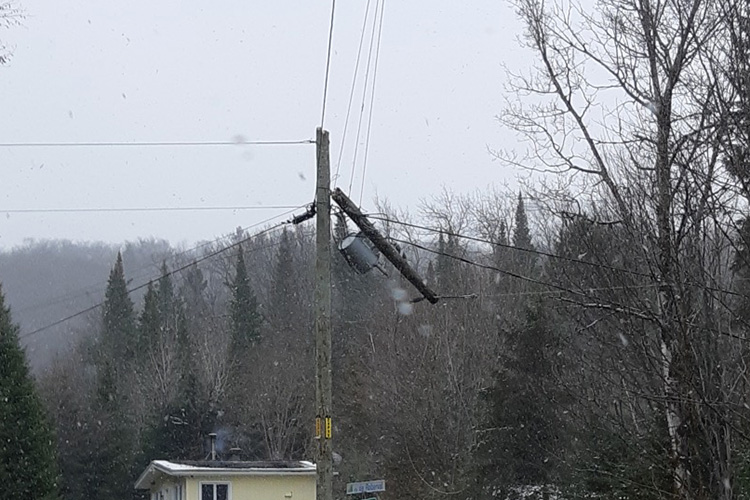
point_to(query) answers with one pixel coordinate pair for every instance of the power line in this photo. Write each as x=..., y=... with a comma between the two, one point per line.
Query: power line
x=372, y=101
x=142, y=209
x=351, y=93
x=364, y=92
x=553, y=256
x=551, y=292
x=328, y=64
x=100, y=286
x=614, y=305
x=511, y=247
x=153, y=144
x=144, y=285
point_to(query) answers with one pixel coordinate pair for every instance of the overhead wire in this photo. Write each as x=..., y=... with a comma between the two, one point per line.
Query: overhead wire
x=328, y=64
x=372, y=101
x=142, y=209
x=518, y=276
x=351, y=93
x=364, y=93
x=101, y=286
x=174, y=144
x=553, y=256
x=154, y=144
x=144, y=285
x=508, y=246
x=610, y=306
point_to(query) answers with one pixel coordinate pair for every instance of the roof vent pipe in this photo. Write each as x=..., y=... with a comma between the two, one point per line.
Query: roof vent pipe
x=212, y=436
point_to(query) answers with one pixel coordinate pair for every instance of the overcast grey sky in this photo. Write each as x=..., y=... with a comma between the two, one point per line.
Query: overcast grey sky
x=212, y=71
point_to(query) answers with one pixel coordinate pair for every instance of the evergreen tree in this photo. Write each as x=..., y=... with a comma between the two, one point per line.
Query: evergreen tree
x=243, y=308
x=193, y=296
x=446, y=265
x=170, y=308
x=119, y=328
x=521, y=232
x=286, y=304
x=523, y=259
x=27, y=444
x=148, y=322
x=522, y=426
x=177, y=431
x=109, y=473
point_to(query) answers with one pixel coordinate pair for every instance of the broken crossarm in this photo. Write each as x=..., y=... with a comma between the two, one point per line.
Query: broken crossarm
x=382, y=244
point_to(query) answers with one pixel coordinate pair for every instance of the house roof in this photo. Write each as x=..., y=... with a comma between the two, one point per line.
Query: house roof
x=182, y=468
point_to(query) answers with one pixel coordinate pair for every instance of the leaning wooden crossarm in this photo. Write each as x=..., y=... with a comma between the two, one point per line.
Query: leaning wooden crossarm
x=382, y=244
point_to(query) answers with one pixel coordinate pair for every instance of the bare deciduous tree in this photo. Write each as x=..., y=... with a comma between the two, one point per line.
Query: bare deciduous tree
x=622, y=103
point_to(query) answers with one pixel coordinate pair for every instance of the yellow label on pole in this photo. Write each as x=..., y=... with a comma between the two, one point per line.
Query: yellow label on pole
x=317, y=427
x=329, y=428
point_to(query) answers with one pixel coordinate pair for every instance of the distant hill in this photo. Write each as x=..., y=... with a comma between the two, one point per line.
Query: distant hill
x=46, y=281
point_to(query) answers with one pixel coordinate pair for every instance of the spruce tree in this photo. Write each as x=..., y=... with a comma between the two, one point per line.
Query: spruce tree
x=522, y=423
x=148, y=322
x=27, y=444
x=286, y=304
x=170, y=307
x=448, y=269
x=193, y=296
x=118, y=332
x=243, y=308
x=521, y=232
x=110, y=474
x=522, y=258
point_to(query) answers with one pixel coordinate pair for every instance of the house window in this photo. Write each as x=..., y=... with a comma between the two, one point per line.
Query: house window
x=214, y=491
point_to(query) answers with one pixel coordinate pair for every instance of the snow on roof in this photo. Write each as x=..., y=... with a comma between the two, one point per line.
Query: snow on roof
x=222, y=468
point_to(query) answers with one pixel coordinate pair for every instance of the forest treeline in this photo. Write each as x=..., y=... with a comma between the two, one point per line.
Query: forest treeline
x=591, y=340
x=512, y=382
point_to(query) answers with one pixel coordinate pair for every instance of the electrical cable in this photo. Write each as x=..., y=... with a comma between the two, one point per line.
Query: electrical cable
x=372, y=102
x=364, y=94
x=101, y=286
x=140, y=209
x=560, y=257
x=328, y=64
x=511, y=247
x=144, y=285
x=152, y=144
x=614, y=305
x=351, y=93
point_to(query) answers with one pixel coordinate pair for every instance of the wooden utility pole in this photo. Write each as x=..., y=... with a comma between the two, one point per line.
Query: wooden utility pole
x=323, y=392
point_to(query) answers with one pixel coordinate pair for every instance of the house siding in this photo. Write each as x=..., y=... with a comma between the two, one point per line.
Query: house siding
x=276, y=487
x=167, y=486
